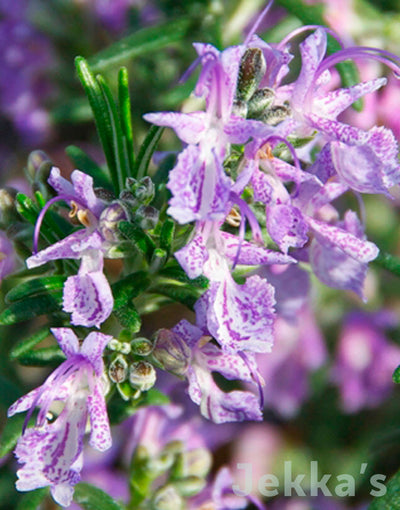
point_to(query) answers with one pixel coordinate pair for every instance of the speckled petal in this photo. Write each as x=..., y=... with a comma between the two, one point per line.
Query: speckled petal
x=24, y=403
x=193, y=256
x=88, y=297
x=189, y=127
x=241, y=317
x=250, y=254
x=49, y=453
x=100, y=435
x=69, y=248
x=332, y=103
x=67, y=340
x=358, y=249
x=286, y=226
x=93, y=347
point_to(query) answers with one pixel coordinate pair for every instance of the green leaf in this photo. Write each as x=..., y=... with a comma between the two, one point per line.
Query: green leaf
x=177, y=273
x=388, y=262
x=32, y=499
x=138, y=236
x=27, y=344
x=90, y=167
x=42, y=357
x=147, y=40
x=36, y=286
x=146, y=150
x=184, y=294
x=31, y=307
x=11, y=433
x=124, y=103
x=128, y=317
x=129, y=287
x=93, y=498
x=167, y=235
x=119, y=155
x=391, y=500
x=396, y=375
x=100, y=113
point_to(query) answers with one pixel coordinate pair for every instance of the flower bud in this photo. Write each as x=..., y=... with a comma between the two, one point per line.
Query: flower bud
x=8, y=213
x=145, y=191
x=114, y=345
x=35, y=161
x=109, y=219
x=240, y=108
x=190, y=486
x=104, y=194
x=275, y=115
x=171, y=352
x=142, y=375
x=118, y=369
x=196, y=462
x=141, y=346
x=142, y=190
x=167, y=498
x=251, y=71
x=262, y=100
x=147, y=217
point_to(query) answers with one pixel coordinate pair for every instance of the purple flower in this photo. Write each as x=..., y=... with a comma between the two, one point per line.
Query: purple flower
x=240, y=317
x=201, y=190
x=365, y=360
x=299, y=349
x=202, y=359
x=220, y=495
x=26, y=56
x=7, y=256
x=51, y=452
x=365, y=160
x=88, y=294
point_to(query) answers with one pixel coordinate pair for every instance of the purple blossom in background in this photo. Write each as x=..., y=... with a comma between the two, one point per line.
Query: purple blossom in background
x=365, y=360
x=51, y=452
x=298, y=351
x=26, y=57
x=88, y=294
x=7, y=256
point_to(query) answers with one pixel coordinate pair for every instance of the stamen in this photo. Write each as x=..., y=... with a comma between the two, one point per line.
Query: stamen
x=257, y=23
x=385, y=57
x=248, y=213
x=233, y=219
x=74, y=209
x=305, y=28
x=296, y=161
x=40, y=217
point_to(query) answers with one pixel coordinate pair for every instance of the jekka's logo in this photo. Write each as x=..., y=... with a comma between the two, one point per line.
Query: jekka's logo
x=269, y=485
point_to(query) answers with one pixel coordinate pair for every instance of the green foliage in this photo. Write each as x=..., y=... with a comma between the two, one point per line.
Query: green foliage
x=142, y=42
x=32, y=500
x=391, y=500
x=90, y=497
x=31, y=307
x=147, y=150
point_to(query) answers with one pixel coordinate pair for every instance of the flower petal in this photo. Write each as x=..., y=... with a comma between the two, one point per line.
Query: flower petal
x=88, y=298
x=93, y=347
x=67, y=340
x=100, y=436
x=189, y=127
x=241, y=317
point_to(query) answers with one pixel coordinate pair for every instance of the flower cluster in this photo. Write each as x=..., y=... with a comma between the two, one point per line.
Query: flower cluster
x=259, y=178
x=267, y=146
